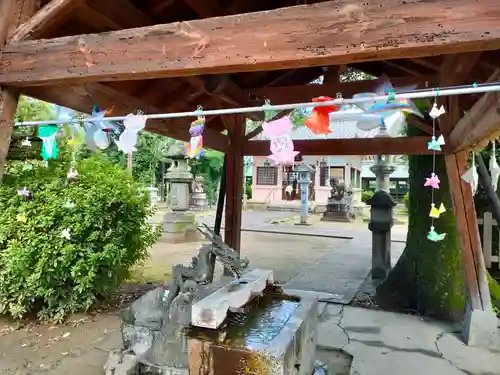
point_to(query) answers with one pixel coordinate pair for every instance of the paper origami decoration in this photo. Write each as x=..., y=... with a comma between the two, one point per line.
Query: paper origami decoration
x=24, y=192
x=471, y=176
x=435, y=237
x=436, y=212
x=494, y=167
x=66, y=234
x=195, y=146
x=26, y=142
x=282, y=149
x=435, y=112
x=432, y=181
x=133, y=124
x=49, y=146
x=387, y=113
x=72, y=174
x=319, y=119
x=22, y=218
x=69, y=204
x=97, y=129
x=435, y=144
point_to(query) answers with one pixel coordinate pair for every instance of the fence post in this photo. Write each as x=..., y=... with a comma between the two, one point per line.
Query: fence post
x=487, y=238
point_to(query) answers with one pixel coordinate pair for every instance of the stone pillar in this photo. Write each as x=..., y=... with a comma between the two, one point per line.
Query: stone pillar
x=304, y=171
x=382, y=171
x=381, y=222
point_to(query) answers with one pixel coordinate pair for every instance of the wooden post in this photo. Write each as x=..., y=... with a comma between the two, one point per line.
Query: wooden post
x=235, y=125
x=12, y=12
x=480, y=322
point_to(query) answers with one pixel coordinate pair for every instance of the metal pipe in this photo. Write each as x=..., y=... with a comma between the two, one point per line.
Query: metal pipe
x=430, y=93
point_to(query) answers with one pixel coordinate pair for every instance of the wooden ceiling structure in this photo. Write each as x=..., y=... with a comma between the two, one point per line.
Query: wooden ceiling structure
x=174, y=55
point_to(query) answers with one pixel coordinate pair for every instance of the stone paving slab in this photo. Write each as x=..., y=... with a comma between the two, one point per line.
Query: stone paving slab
x=341, y=272
x=384, y=343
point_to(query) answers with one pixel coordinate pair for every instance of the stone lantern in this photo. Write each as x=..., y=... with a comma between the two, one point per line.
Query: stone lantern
x=179, y=177
x=381, y=222
x=304, y=172
x=179, y=223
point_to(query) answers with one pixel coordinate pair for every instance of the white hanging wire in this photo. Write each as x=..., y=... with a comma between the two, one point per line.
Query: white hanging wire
x=414, y=94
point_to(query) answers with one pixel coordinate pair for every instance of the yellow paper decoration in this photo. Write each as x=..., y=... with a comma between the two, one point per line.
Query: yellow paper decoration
x=436, y=212
x=21, y=218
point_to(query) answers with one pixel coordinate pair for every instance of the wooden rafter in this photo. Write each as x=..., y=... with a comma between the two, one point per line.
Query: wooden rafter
x=480, y=124
x=261, y=41
x=354, y=146
x=304, y=93
x=47, y=18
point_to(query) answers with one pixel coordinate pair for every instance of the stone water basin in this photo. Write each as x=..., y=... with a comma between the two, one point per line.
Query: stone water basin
x=274, y=334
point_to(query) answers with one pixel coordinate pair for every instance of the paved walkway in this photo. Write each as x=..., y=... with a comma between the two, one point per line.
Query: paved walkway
x=260, y=221
x=381, y=343
x=341, y=272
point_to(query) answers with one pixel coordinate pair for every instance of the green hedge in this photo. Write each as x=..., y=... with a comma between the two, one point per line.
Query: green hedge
x=42, y=272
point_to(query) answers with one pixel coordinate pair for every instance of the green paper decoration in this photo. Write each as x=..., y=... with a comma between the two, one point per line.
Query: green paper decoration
x=48, y=135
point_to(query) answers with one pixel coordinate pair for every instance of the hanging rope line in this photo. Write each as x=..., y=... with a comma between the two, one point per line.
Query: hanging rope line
x=418, y=94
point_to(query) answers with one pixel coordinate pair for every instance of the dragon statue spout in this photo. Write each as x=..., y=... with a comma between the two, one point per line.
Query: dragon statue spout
x=201, y=270
x=154, y=326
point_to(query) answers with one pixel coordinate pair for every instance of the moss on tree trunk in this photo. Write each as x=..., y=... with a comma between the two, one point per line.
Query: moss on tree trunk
x=428, y=277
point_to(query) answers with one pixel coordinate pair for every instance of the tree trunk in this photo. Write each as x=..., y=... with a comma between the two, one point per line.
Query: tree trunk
x=428, y=277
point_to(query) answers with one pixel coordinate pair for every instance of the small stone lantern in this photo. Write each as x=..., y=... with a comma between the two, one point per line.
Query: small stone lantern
x=179, y=177
x=179, y=224
x=381, y=222
x=304, y=172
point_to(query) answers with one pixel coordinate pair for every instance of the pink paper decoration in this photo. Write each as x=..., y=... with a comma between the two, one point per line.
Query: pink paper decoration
x=282, y=149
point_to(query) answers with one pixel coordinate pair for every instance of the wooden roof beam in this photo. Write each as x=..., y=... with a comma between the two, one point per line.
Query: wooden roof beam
x=48, y=18
x=304, y=93
x=287, y=38
x=480, y=124
x=353, y=146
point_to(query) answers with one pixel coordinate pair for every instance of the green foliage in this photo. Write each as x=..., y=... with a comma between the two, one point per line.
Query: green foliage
x=210, y=167
x=406, y=200
x=495, y=293
x=249, y=190
x=366, y=195
x=151, y=149
x=29, y=109
x=42, y=272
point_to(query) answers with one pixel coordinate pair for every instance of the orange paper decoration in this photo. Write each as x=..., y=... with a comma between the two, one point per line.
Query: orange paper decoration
x=319, y=120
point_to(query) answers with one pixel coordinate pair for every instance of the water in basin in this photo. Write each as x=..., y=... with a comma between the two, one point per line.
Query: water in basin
x=258, y=322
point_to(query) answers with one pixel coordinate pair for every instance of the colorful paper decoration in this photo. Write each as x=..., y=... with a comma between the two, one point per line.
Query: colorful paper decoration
x=386, y=114
x=434, y=236
x=435, y=112
x=432, y=181
x=195, y=146
x=69, y=205
x=128, y=139
x=96, y=129
x=66, y=234
x=471, y=176
x=319, y=119
x=26, y=142
x=21, y=218
x=436, y=212
x=48, y=136
x=24, y=192
x=282, y=148
x=435, y=144
x=494, y=167
x=72, y=173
